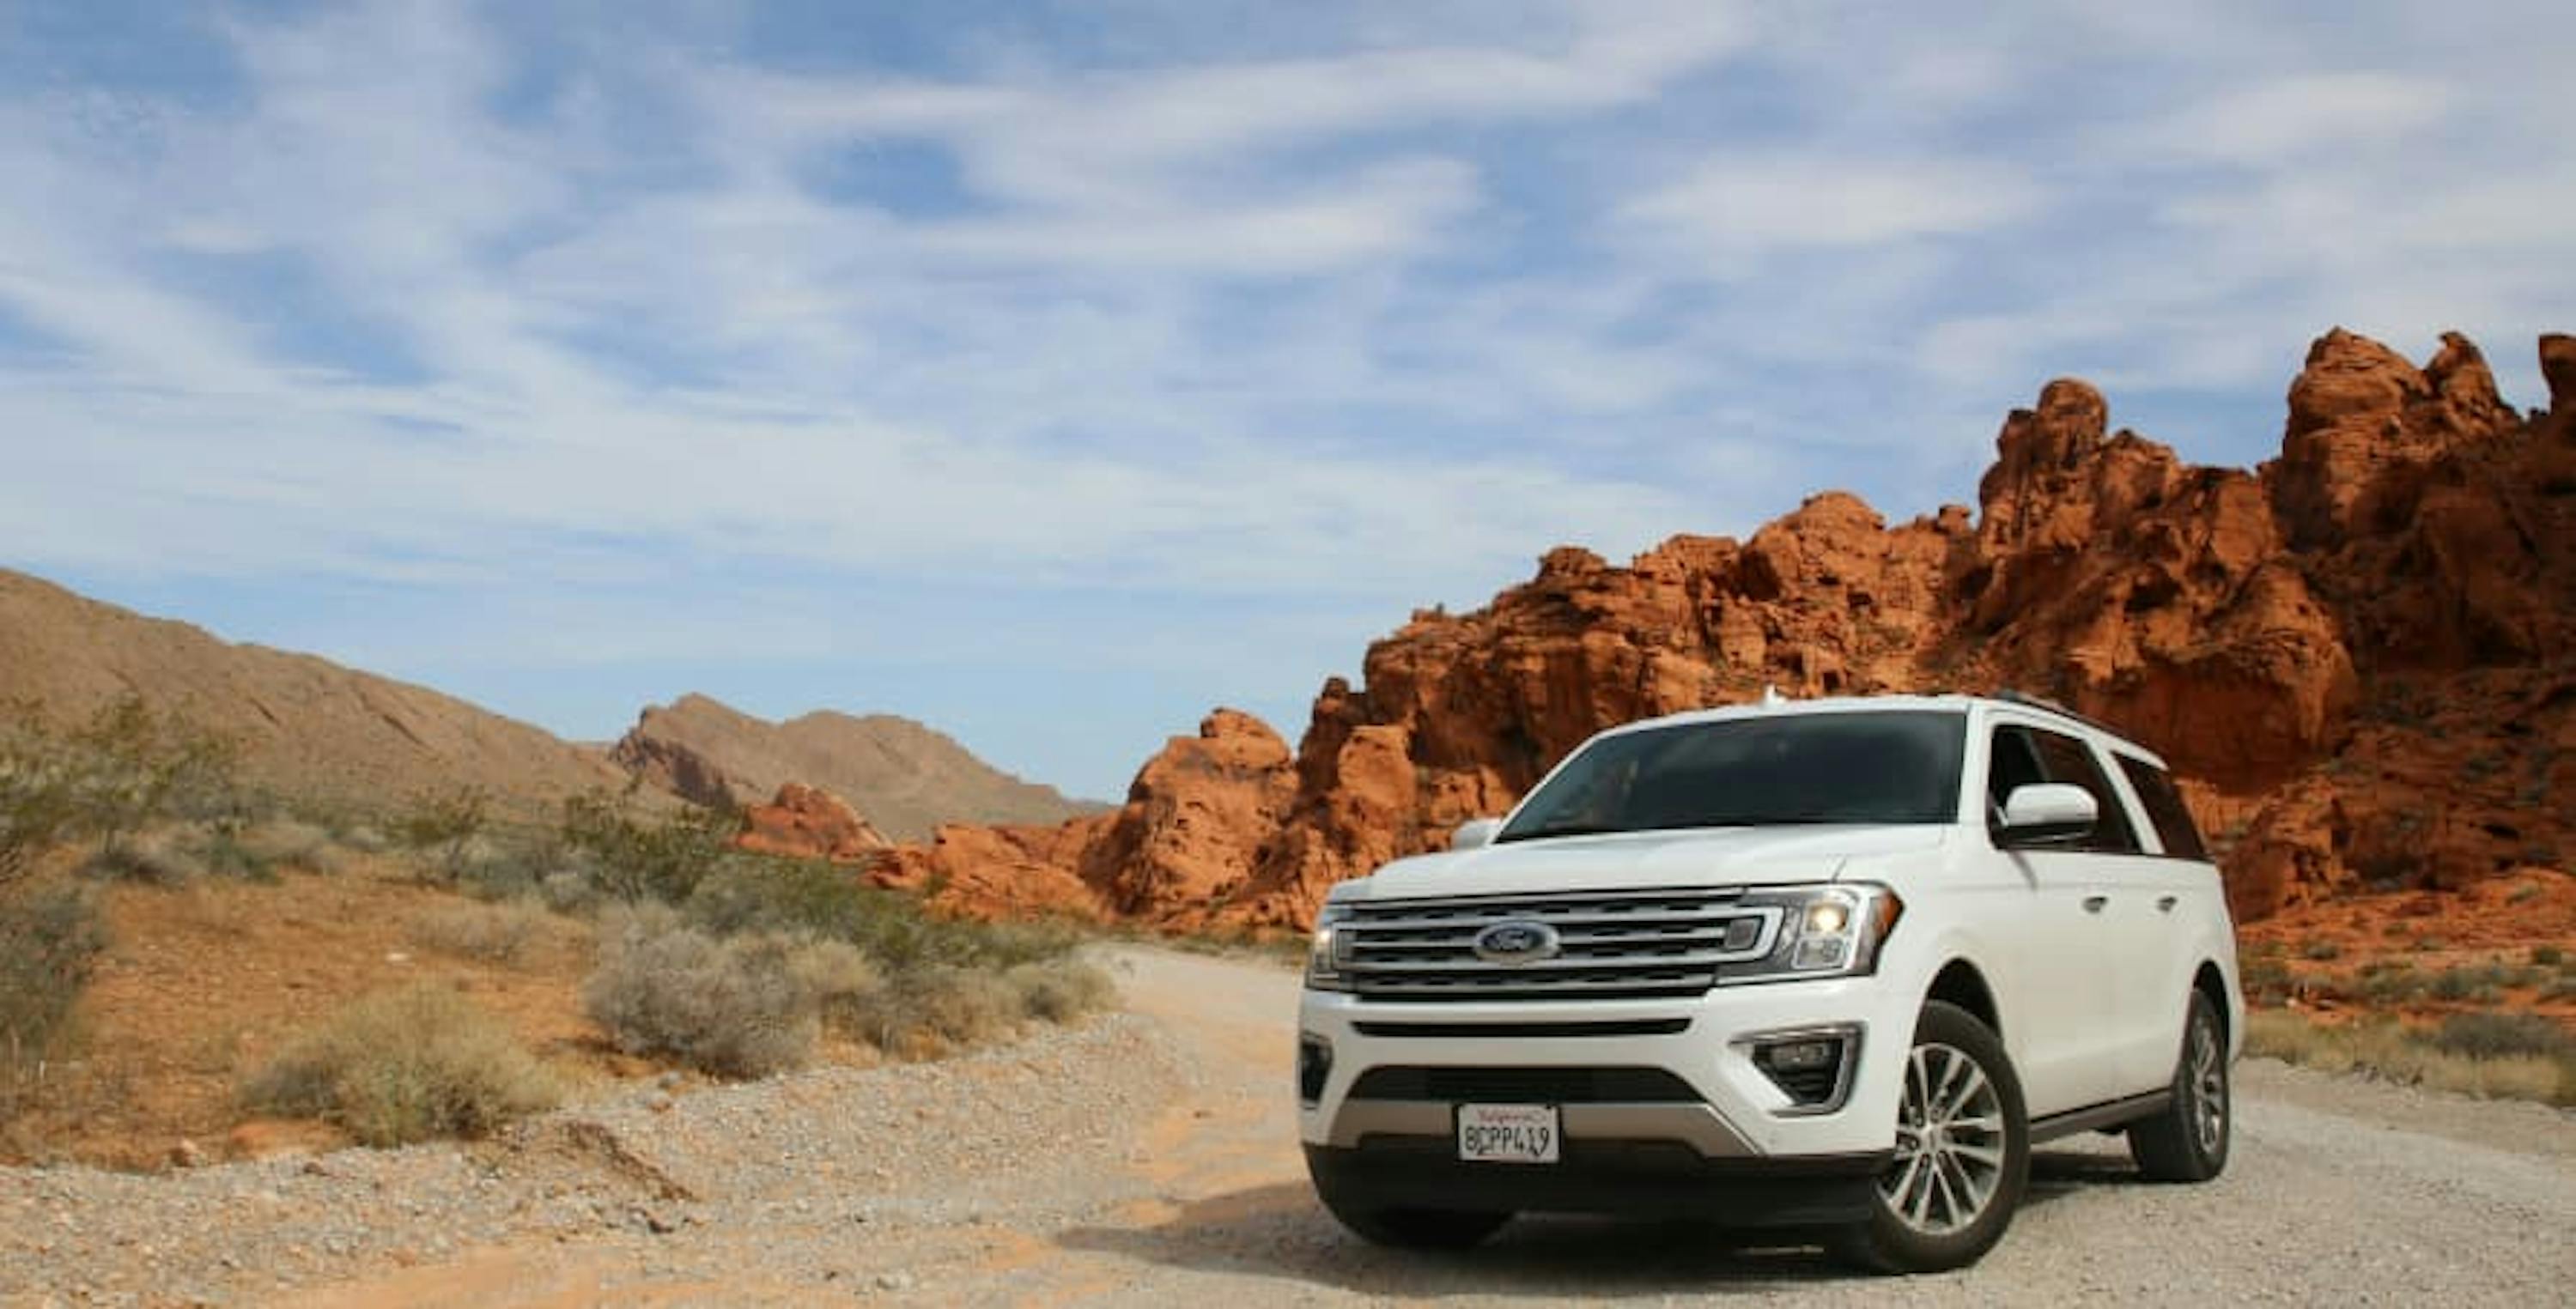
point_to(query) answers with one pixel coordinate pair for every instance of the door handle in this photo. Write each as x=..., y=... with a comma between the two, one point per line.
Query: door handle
x=2093, y=903
x=2164, y=904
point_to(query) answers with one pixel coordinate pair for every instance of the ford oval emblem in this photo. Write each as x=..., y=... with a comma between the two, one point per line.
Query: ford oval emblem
x=1519, y=941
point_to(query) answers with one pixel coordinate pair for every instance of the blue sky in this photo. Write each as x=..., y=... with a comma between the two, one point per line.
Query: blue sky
x=1052, y=372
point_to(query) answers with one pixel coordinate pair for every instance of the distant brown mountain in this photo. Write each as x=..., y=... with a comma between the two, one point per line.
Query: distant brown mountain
x=905, y=778
x=306, y=726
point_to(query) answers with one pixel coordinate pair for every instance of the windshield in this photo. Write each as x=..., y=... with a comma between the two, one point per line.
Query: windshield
x=1898, y=766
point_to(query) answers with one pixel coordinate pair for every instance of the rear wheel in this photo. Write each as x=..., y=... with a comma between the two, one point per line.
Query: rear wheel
x=1962, y=1152
x=2187, y=1142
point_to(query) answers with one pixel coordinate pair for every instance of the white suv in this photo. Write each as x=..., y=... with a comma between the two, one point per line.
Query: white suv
x=1831, y=963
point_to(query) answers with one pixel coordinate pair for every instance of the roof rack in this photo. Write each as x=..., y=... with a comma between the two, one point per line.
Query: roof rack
x=2012, y=695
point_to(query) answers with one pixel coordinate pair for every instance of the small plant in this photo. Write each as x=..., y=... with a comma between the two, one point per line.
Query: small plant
x=493, y=933
x=154, y=859
x=637, y=858
x=2321, y=951
x=442, y=825
x=2489, y=1036
x=50, y=941
x=731, y=1007
x=2547, y=956
x=407, y=1065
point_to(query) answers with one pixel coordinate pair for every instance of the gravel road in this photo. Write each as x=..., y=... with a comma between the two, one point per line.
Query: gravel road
x=1150, y=1158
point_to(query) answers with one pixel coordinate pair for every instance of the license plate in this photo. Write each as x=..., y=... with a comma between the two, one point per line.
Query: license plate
x=1508, y=1133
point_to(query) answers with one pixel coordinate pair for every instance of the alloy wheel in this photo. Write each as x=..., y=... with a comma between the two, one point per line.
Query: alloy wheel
x=1949, y=1158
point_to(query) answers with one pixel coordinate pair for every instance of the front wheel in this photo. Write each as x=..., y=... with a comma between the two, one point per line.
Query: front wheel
x=1962, y=1152
x=2187, y=1142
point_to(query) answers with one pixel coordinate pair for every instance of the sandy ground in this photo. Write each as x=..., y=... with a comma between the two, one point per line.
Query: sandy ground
x=1151, y=1159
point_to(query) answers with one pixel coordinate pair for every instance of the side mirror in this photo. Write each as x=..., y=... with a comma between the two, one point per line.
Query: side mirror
x=2047, y=813
x=1475, y=832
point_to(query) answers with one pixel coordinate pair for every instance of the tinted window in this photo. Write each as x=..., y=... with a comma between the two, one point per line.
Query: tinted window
x=1899, y=766
x=2068, y=760
x=2165, y=808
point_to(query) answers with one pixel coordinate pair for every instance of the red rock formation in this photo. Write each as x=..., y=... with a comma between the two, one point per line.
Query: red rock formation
x=808, y=823
x=999, y=872
x=2357, y=657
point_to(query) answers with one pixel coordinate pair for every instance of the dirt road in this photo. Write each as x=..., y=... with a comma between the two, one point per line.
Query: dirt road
x=1150, y=1159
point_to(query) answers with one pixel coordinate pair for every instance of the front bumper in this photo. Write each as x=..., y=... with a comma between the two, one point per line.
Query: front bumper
x=1637, y=1179
x=1734, y=1142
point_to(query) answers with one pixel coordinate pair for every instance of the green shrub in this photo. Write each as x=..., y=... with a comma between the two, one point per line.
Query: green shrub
x=442, y=826
x=2489, y=1036
x=154, y=859
x=2321, y=951
x=732, y=1007
x=2547, y=956
x=38, y=794
x=50, y=941
x=403, y=1066
x=636, y=857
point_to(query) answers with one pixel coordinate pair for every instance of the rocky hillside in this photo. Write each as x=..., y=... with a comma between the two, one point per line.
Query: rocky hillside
x=2361, y=656
x=903, y=777
x=306, y=725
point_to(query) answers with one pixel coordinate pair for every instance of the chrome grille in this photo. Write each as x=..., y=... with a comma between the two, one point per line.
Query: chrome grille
x=1611, y=945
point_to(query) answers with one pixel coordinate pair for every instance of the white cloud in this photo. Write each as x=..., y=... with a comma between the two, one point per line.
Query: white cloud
x=2281, y=118
x=1737, y=209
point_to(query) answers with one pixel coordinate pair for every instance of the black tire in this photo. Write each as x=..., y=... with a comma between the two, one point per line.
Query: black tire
x=1415, y=1229
x=1956, y=1138
x=2188, y=1140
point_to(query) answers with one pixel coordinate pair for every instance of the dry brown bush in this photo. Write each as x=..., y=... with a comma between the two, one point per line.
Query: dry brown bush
x=406, y=1065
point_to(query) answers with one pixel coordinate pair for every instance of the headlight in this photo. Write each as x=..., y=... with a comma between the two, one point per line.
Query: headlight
x=1324, y=954
x=1825, y=931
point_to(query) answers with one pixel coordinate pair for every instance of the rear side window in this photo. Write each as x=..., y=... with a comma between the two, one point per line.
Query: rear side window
x=2023, y=755
x=2165, y=808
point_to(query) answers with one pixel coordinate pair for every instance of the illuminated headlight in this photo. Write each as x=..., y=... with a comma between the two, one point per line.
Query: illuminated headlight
x=1326, y=954
x=1825, y=931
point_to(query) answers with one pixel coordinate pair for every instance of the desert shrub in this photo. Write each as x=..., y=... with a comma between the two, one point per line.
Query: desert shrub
x=132, y=766
x=406, y=1065
x=846, y=987
x=365, y=838
x=50, y=940
x=494, y=933
x=2266, y=979
x=2413, y=1056
x=2321, y=951
x=2391, y=983
x=38, y=794
x=154, y=859
x=292, y=844
x=442, y=826
x=2487, y=1036
x=729, y=1006
x=2547, y=956
x=635, y=857
x=1062, y=990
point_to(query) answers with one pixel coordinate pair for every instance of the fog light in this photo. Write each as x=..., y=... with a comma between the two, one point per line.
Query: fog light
x=1812, y=1067
x=1314, y=1066
x=1798, y=1056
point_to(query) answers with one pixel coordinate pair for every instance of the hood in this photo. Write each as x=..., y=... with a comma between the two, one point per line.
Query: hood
x=1732, y=856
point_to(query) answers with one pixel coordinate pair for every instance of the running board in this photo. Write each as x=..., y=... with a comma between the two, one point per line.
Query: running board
x=2100, y=1116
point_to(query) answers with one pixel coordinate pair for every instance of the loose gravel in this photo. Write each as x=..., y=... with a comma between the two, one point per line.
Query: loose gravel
x=1150, y=1158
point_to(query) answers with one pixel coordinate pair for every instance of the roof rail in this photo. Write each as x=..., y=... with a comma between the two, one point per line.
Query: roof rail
x=2012, y=695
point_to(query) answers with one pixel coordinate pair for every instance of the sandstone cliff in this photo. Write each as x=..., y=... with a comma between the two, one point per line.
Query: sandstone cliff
x=2357, y=656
